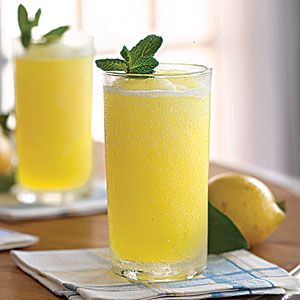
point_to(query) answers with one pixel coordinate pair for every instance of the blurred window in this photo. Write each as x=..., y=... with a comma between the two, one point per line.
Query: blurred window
x=246, y=43
x=187, y=28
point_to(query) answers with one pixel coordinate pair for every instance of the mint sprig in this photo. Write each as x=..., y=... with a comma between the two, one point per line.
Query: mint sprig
x=139, y=60
x=26, y=25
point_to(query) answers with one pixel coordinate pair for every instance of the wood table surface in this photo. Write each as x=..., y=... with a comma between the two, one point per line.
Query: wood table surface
x=283, y=248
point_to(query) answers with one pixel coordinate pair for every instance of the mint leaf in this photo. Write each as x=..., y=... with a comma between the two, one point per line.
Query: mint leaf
x=54, y=34
x=4, y=123
x=37, y=16
x=146, y=47
x=138, y=60
x=125, y=53
x=24, y=25
x=144, y=65
x=223, y=235
x=111, y=64
x=23, y=18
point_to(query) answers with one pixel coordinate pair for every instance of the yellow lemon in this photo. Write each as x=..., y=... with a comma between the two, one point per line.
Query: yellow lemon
x=248, y=203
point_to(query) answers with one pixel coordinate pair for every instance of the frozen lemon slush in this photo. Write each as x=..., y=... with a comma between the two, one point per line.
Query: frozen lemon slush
x=53, y=109
x=156, y=146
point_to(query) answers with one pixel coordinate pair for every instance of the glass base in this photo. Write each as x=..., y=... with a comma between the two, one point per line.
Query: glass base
x=158, y=271
x=53, y=198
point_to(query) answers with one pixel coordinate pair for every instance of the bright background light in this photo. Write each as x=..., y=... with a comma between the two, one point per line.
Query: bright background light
x=251, y=45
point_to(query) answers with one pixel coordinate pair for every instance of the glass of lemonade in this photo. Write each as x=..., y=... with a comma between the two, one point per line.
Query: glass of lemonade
x=53, y=88
x=157, y=150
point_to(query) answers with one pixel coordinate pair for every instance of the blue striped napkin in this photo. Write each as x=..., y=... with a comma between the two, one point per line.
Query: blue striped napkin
x=86, y=274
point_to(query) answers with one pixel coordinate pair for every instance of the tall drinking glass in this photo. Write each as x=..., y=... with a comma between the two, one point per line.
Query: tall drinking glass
x=156, y=148
x=53, y=88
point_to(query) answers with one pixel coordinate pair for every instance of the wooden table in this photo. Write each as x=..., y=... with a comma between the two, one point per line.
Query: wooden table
x=283, y=248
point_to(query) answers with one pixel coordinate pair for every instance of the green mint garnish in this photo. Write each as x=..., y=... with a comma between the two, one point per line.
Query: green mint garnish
x=138, y=60
x=26, y=25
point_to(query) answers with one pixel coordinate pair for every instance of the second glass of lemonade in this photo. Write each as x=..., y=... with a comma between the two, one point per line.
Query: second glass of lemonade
x=53, y=87
x=157, y=149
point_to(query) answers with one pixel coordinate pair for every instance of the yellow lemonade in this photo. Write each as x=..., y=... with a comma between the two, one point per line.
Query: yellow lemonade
x=156, y=146
x=53, y=109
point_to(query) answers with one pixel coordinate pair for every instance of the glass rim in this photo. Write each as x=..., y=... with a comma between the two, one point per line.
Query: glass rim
x=70, y=34
x=75, y=43
x=195, y=69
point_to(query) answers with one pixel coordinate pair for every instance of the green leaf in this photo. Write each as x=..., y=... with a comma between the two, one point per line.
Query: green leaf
x=3, y=123
x=35, y=21
x=125, y=53
x=23, y=19
x=144, y=65
x=223, y=235
x=26, y=38
x=146, y=47
x=3, y=120
x=6, y=182
x=282, y=205
x=54, y=34
x=111, y=64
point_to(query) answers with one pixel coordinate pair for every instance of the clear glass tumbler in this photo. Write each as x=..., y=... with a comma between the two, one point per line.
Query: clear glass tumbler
x=53, y=88
x=157, y=150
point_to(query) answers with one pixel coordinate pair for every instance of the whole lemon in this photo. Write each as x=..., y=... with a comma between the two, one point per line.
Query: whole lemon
x=248, y=202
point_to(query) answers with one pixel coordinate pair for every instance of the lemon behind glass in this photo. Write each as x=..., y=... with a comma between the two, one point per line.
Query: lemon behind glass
x=248, y=202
